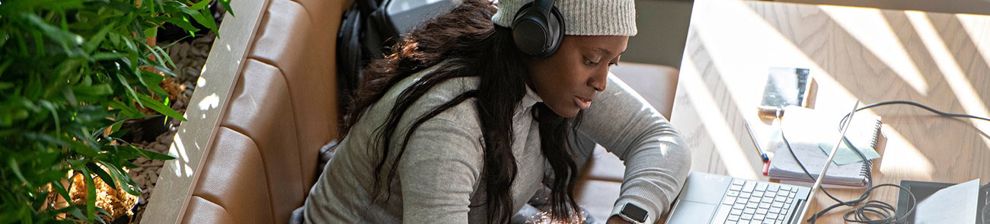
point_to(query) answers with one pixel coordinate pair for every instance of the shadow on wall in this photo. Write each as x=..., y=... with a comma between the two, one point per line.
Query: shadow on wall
x=945, y=6
x=663, y=24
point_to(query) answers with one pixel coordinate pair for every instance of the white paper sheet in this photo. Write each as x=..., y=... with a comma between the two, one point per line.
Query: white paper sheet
x=954, y=204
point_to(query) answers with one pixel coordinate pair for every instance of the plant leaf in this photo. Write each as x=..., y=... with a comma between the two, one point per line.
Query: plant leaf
x=126, y=182
x=152, y=82
x=151, y=32
x=158, y=57
x=152, y=155
x=102, y=174
x=129, y=112
x=57, y=185
x=168, y=59
x=95, y=41
x=70, y=96
x=202, y=4
x=90, y=193
x=104, y=56
x=65, y=39
x=115, y=39
x=5, y=85
x=116, y=126
x=166, y=71
x=14, y=167
x=78, y=214
x=148, y=102
x=4, y=66
x=93, y=90
x=226, y=6
x=184, y=24
x=51, y=109
x=130, y=90
x=203, y=17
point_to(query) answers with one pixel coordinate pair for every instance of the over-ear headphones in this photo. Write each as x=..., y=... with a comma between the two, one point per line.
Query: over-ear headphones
x=538, y=28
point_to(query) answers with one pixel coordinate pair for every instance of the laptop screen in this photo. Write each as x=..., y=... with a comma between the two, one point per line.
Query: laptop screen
x=831, y=156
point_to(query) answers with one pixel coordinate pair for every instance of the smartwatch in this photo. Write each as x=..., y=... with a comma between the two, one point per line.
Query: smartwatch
x=633, y=213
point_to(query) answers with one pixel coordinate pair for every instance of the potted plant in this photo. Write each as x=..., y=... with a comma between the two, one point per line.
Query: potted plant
x=72, y=72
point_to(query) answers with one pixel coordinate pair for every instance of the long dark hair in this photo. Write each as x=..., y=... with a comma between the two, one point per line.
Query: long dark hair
x=472, y=46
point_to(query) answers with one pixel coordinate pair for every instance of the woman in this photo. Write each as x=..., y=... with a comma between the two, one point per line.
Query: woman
x=467, y=120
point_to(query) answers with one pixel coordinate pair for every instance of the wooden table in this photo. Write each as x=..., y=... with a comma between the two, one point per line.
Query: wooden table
x=941, y=60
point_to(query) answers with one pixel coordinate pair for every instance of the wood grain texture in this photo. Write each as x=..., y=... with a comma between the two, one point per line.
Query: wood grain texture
x=872, y=55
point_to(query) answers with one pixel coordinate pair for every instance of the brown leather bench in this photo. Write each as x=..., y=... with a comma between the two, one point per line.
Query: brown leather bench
x=283, y=109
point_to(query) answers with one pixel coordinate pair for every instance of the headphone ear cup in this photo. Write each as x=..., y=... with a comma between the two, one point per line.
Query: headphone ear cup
x=536, y=34
x=529, y=30
x=556, y=31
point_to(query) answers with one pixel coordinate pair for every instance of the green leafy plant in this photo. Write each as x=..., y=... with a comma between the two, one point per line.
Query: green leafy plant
x=71, y=73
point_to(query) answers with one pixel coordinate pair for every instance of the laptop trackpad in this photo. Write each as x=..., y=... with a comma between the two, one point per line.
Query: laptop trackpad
x=692, y=212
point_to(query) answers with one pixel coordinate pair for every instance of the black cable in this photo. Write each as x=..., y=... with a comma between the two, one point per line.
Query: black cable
x=885, y=212
x=916, y=104
x=878, y=208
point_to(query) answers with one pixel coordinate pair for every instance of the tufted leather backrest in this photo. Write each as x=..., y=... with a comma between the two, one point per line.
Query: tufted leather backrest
x=283, y=108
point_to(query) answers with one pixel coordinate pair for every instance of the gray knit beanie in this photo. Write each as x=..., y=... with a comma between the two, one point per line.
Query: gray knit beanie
x=581, y=17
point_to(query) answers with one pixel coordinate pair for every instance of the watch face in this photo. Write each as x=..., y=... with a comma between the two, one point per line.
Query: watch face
x=634, y=212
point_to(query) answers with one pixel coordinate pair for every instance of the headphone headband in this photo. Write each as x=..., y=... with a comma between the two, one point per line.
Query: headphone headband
x=544, y=6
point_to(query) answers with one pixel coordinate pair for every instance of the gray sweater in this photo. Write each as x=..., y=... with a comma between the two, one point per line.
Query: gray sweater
x=439, y=177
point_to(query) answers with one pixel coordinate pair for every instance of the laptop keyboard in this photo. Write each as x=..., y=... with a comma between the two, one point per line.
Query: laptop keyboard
x=749, y=201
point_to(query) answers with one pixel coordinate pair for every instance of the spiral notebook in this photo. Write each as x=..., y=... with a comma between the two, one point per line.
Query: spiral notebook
x=808, y=131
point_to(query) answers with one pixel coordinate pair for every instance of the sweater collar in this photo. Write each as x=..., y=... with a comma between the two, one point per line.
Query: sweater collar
x=527, y=102
x=531, y=98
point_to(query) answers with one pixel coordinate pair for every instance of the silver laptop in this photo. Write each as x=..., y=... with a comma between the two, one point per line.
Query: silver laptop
x=709, y=198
